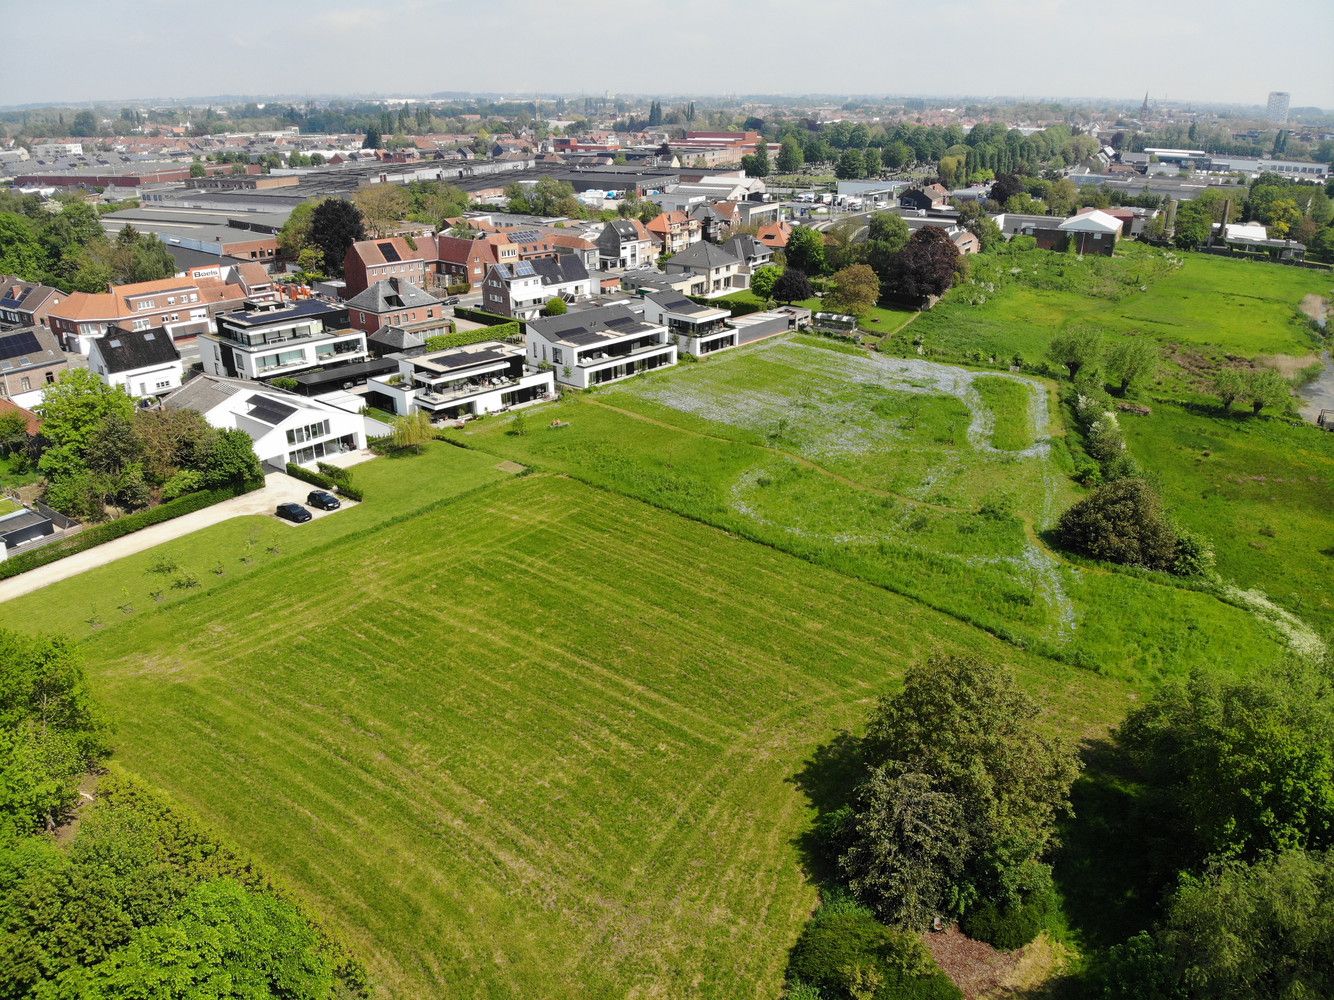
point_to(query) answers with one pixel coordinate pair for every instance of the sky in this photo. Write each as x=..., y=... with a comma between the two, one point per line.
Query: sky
x=1207, y=51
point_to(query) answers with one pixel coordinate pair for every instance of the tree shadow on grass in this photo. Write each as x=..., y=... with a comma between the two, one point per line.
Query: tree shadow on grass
x=828, y=778
x=1115, y=863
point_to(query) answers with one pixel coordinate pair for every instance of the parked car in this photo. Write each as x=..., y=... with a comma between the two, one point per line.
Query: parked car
x=453, y=300
x=324, y=500
x=294, y=512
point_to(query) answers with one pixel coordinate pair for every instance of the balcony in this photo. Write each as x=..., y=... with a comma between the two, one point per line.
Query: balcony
x=434, y=396
x=593, y=358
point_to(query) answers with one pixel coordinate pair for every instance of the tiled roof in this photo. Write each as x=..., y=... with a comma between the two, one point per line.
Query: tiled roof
x=125, y=351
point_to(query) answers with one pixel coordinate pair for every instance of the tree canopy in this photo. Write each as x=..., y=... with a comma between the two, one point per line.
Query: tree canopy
x=927, y=266
x=335, y=225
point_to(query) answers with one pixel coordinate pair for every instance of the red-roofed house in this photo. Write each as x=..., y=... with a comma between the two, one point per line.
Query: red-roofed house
x=369, y=261
x=673, y=231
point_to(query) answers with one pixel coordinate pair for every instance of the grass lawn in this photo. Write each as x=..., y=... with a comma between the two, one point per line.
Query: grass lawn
x=1260, y=490
x=1009, y=401
x=878, y=319
x=886, y=470
x=10, y=475
x=157, y=578
x=543, y=740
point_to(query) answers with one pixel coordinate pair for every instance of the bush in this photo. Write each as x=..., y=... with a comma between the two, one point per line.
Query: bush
x=307, y=476
x=182, y=481
x=444, y=341
x=482, y=316
x=845, y=949
x=1010, y=927
x=1193, y=557
x=1122, y=522
x=330, y=477
x=90, y=537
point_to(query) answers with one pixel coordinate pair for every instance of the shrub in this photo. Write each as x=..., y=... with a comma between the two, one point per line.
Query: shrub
x=181, y=482
x=463, y=338
x=307, y=476
x=845, y=949
x=1012, y=926
x=555, y=306
x=1122, y=522
x=1193, y=557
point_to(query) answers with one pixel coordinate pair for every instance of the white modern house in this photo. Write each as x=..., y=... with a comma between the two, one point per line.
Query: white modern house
x=280, y=340
x=143, y=362
x=593, y=346
x=695, y=329
x=284, y=426
x=461, y=382
x=1092, y=232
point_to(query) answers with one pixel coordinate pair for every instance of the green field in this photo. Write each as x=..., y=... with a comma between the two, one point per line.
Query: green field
x=887, y=470
x=1013, y=304
x=539, y=741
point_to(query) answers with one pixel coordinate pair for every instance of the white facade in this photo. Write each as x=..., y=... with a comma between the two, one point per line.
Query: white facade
x=521, y=296
x=464, y=382
x=283, y=343
x=139, y=382
x=693, y=328
x=598, y=346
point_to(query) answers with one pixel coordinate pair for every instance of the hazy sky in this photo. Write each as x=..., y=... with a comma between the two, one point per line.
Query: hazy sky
x=1208, y=50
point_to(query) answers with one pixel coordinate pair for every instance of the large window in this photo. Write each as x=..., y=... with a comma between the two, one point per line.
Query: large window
x=279, y=360
x=310, y=432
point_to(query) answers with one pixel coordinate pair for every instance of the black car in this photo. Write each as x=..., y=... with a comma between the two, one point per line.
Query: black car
x=453, y=300
x=294, y=512
x=323, y=500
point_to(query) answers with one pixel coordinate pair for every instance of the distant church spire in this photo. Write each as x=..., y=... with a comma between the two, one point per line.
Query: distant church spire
x=1144, y=108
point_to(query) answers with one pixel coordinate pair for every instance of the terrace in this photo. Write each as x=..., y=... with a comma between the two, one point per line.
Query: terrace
x=619, y=352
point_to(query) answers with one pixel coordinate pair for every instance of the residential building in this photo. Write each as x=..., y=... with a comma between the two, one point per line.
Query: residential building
x=26, y=303
x=716, y=271
x=1276, y=109
x=30, y=359
x=694, y=328
x=280, y=340
x=143, y=362
x=625, y=244
x=393, y=301
x=775, y=235
x=673, y=231
x=461, y=382
x=750, y=251
x=594, y=346
x=369, y=261
x=522, y=289
x=925, y=199
x=284, y=426
x=462, y=261
x=171, y=302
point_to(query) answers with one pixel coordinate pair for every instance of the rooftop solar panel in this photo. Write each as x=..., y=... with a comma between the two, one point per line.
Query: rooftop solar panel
x=389, y=252
x=269, y=411
x=15, y=344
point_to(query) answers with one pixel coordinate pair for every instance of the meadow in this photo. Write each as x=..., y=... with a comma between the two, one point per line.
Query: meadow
x=542, y=740
x=897, y=472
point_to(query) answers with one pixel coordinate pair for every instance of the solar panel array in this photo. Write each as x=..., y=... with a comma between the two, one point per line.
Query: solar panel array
x=525, y=236
x=389, y=251
x=270, y=411
x=23, y=342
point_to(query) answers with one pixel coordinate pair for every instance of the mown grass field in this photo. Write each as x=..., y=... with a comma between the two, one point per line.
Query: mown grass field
x=542, y=740
x=892, y=471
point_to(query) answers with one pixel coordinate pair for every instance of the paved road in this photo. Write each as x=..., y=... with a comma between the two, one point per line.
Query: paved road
x=278, y=488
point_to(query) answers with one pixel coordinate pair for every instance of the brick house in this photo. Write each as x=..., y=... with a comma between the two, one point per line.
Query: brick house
x=369, y=261
x=392, y=302
x=31, y=358
x=26, y=303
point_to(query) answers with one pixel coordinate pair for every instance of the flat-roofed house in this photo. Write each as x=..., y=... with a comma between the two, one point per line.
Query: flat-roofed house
x=461, y=382
x=280, y=340
x=694, y=328
x=594, y=346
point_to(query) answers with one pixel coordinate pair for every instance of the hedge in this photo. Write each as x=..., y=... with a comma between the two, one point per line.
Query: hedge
x=444, y=341
x=121, y=526
x=482, y=316
x=330, y=477
x=737, y=307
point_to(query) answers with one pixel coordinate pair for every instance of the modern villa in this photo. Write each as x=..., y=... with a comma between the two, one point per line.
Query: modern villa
x=595, y=346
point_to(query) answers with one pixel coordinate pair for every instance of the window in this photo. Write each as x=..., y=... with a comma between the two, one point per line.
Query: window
x=50, y=378
x=25, y=383
x=555, y=355
x=165, y=383
x=300, y=435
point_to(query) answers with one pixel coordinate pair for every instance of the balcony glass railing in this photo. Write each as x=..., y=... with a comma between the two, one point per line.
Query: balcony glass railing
x=589, y=358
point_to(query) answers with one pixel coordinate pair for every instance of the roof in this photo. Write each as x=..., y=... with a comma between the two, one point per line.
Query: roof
x=115, y=303
x=265, y=317
x=745, y=247
x=775, y=234
x=561, y=269
x=664, y=221
x=204, y=393
x=15, y=293
x=589, y=326
x=389, y=250
x=622, y=231
x=702, y=254
x=34, y=421
x=27, y=347
x=253, y=273
x=127, y=351
x=1091, y=222
x=674, y=301
x=391, y=294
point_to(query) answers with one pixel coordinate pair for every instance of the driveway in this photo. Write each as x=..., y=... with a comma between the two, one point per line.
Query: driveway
x=278, y=488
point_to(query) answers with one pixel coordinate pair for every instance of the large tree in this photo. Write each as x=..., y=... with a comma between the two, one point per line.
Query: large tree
x=382, y=206
x=334, y=226
x=853, y=290
x=805, y=250
x=21, y=252
x=1132, y=361
x=1121, y=522
x=790, y=156
x=763, y=279
x=1077, y=350
x=926, y=267
x=792, y=286
x=73, y=410
x=966, y=729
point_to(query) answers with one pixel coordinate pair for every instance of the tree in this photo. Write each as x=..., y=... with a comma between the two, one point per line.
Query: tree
x=854, y=290
x=1132, y=361
x=412, y=432
x=757, y=164
x=295, y=233
x=373, y=139
x=965, y=726
x=763, y=279
x=792, y=286
x=851, y=165
x=229, y=460
x=887, y=235
x=382, y=206
x=21, y=252
x=73, y=409
x=334, y=226
x=1121, y=522
x=171, y=440
x=1265, y=387
x=84, y=124
x=222, y=940
x=909, y=846
x=1006, y=187
x=1228, y=385
x=1078, y=349
x=197, y=169
x=805, y=251
x=555, y=306
x=790, y=157
x=14, y=436
x=926, y=267
x=1238, y=767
